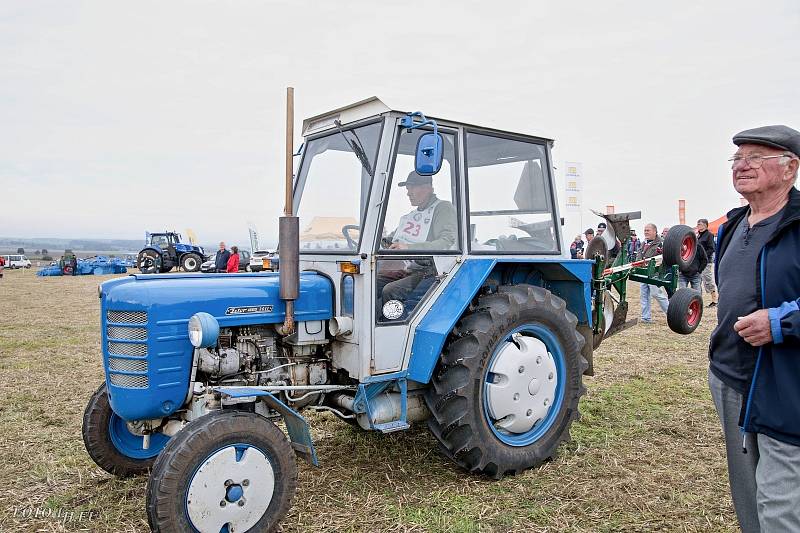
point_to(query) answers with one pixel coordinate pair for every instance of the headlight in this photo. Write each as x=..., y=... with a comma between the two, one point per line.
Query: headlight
x=203, y=330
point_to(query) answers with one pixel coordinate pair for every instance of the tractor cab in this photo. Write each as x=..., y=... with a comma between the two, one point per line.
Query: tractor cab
x=164, y=241
x=392, y=204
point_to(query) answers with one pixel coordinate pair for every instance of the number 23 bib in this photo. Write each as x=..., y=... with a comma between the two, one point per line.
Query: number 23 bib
x=415, y=226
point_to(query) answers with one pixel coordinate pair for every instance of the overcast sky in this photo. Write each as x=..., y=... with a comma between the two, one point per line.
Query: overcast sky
x=116, y=118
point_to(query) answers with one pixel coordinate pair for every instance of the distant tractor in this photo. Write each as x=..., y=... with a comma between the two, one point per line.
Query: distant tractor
x=163, y=251
x=68, y=263
x=460, y=309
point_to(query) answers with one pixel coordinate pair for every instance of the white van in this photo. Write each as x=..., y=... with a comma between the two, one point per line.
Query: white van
x=17, y=261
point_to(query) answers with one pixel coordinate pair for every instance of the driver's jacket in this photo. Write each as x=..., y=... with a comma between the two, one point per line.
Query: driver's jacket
x=772, y=404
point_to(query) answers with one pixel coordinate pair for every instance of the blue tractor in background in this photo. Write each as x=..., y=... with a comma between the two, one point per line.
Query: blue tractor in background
x=164, y=251
x=440, y=291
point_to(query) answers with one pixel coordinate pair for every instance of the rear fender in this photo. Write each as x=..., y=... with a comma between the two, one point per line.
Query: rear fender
x=571, y=280
x=158, y=251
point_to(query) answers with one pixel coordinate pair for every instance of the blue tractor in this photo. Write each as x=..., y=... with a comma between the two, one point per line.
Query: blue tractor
x=444, y=296
x=163, y=251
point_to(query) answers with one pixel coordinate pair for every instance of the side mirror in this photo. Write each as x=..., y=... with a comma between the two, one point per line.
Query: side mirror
x=429, y=154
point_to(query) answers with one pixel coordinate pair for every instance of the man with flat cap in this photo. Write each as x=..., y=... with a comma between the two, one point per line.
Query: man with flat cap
x=754, y=352
x=431, y=225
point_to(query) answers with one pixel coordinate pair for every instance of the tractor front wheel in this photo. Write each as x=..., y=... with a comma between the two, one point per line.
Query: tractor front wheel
x=191, y=262
x=507, y=386
x=149, y=262
x=226, y=471
x=114, y=444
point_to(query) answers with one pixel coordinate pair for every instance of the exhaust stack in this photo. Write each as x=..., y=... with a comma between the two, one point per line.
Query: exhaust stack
x=289, y=229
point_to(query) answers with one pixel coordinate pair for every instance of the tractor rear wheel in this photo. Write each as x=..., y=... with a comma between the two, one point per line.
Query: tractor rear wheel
x=685, y=310
x=149, y=262
x=191, y=262
x=680, y=246
x=110, y=442
x=225, y=471
x=508, y=383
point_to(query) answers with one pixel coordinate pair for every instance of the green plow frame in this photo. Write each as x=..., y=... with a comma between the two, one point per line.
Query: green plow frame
x=610, y=276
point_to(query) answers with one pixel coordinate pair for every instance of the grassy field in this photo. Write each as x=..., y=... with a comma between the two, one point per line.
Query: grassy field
x=647, y=454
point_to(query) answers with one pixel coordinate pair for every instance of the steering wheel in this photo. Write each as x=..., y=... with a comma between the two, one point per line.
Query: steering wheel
x=346, y=229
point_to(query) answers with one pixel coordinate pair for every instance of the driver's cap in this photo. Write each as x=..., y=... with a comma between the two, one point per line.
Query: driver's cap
x=415, y=179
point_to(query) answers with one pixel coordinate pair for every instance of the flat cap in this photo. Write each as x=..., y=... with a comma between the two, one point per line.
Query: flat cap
x=589, y=231
x=781, y=137
x=601, y=225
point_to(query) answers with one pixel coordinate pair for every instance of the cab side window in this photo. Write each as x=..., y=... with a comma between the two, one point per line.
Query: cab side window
x=510, y=201
x=421, y=212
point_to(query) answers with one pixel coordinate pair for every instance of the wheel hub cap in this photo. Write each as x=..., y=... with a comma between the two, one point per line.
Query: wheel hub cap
x=234, y=493
x=232, y=487
x=521, y=384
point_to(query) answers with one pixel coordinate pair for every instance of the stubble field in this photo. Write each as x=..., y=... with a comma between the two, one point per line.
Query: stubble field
x=646, y=455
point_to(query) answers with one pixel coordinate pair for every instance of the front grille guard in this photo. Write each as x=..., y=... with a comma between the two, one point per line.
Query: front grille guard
x=126, y=349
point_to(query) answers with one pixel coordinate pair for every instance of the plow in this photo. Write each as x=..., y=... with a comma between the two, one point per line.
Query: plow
x=613, y=268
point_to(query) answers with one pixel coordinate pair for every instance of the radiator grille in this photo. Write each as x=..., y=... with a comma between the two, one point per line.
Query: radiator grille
x=127, y=365
x=130, y=334
x=127, y=381
x=127, y=317
x=124, y=348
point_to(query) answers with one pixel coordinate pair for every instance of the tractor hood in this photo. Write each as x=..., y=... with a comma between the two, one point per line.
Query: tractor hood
x=233, y=299
x=144, y=323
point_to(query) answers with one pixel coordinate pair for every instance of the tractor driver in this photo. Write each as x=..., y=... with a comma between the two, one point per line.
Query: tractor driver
x=430, y=226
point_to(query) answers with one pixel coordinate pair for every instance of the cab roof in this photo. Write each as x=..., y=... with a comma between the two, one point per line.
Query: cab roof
x=372, y=107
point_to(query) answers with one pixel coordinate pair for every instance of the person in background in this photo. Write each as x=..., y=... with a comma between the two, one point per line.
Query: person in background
x=601, y=227
x=2, y=265
x=651, y=248
x=664, y=233
x=233, y=261
x=633, y=245
x=706, y=241
x=576, y=248
x=754, y=353
x=692, y=276
x=221, y=261
x=589, y=235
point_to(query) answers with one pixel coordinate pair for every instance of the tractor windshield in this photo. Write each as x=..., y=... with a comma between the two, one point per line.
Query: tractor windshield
x=333, y=185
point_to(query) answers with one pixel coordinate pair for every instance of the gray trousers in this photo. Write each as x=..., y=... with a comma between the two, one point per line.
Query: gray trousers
x=765, y=481
x=708, y=277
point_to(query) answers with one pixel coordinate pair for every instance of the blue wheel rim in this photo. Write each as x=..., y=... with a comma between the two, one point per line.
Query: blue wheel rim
x=130, y=444
x=539, y=430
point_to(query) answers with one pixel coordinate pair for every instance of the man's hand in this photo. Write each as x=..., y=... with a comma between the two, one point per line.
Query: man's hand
x=754, y=328
x=398, y=246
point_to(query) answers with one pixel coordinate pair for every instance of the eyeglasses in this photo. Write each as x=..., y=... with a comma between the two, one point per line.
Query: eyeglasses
x=753, y=161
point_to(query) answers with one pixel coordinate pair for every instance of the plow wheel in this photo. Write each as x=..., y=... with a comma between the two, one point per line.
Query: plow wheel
x=685, y=311
x=680, y=247
x=596, y=246
x=507, y=386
